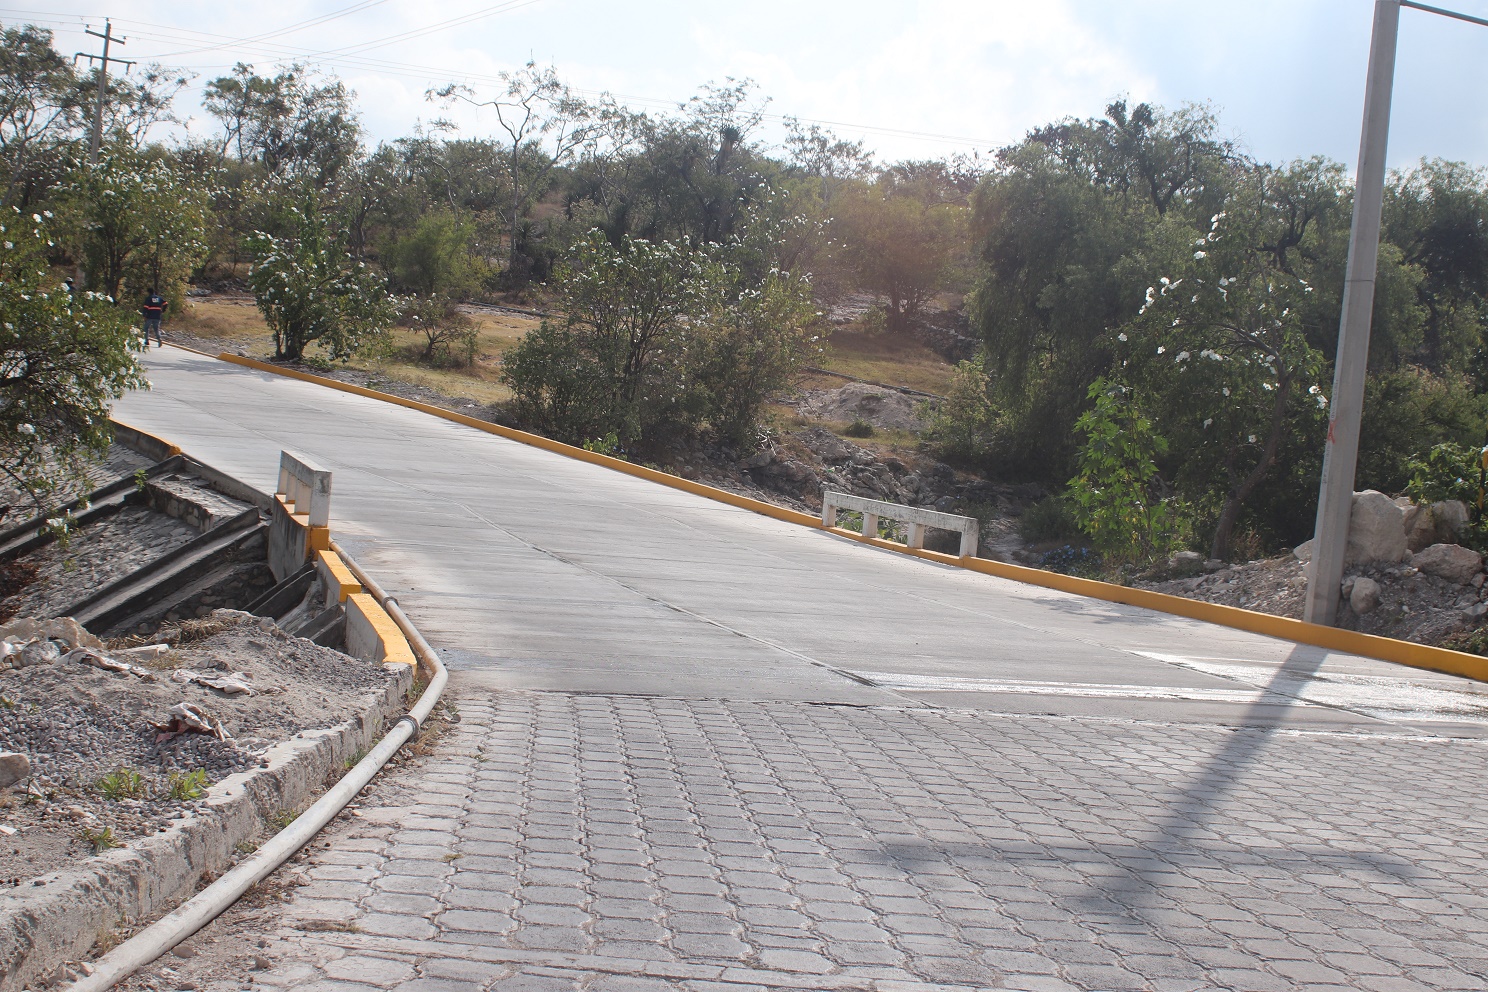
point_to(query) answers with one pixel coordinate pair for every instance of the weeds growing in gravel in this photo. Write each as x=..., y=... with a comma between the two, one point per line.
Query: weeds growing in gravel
x=102, y=838
x=125, y=783
x=284, y=818
x=191, y=785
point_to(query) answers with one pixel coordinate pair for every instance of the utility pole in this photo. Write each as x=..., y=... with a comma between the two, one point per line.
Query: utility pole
x=108, y=36
x=1341, y=453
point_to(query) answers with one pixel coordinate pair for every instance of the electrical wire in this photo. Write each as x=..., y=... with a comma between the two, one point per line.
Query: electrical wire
x=349, y=59
x=355, y=8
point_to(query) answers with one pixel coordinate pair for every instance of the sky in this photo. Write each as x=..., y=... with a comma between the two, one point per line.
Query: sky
x=910, y=79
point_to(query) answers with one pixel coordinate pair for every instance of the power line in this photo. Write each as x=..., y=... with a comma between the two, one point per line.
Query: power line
x=348, y=59
x=355, y=8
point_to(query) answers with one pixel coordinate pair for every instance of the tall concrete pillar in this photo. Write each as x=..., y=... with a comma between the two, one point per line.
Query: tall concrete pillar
x=1341, y=453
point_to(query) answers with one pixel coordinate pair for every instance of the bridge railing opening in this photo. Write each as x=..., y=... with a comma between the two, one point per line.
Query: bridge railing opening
x=914, y=518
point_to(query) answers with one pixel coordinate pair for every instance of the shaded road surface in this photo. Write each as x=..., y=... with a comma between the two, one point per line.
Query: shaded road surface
x=705, y=750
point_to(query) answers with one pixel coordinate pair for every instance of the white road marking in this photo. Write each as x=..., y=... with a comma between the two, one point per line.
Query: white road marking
x=933, y=683
x=1373, y=695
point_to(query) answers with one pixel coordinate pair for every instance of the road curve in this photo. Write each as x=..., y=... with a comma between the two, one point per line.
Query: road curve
x=704, y=750
x=530, y=570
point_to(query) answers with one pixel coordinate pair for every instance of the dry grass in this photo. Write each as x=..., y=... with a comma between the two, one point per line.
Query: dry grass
x=236, y=323
x=895, y=359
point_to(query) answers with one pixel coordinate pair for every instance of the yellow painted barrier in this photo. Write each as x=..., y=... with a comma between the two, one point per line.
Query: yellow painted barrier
x=372, y=635
x=1422, y=656
x=151, y=445
x=339, y=580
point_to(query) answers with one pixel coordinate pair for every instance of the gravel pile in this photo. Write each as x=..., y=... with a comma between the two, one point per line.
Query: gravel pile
x=1412, y=605
x=98, y=758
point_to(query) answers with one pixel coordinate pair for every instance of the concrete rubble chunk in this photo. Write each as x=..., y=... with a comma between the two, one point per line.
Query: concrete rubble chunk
x=14, y=767
x=1449, y=561
x=1365, y=596
x=63, y=629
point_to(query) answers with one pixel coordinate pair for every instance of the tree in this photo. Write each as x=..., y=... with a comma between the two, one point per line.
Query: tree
x=136, y=220
x=434, y=257
x=311, y=290
x=545, y=124
x=900, y=248
x=292, y=124
x=39, y=107
x=64, y=357
x=1223, y=352
x=661, y=339
x=1117, y=495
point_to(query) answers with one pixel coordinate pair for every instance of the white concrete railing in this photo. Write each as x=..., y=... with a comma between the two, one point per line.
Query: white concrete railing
x=917, y=519
x=307, y=486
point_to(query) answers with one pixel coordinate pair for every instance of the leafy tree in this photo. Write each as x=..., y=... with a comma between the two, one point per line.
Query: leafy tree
x=434, y=257
x=964, y=425
x=1117, y=496
x=898, y=246
x=311, y=290
x=292, y=123
x=1223, y=351
x=64, y=357
x=661, y=339
x=545, y=124
x=39, y=108
x=136, y=220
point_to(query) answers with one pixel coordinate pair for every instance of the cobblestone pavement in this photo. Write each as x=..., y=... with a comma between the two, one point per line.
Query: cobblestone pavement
x=627, y=844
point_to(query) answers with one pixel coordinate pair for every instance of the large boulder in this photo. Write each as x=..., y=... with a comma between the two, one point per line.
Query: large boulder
x=1449, y=561
x=1436, y=523
x=1376, y=529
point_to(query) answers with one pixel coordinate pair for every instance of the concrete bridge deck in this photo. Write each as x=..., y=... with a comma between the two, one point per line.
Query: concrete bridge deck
x=703, y=740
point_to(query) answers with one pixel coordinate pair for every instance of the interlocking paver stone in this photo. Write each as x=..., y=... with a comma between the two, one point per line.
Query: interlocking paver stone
x=774, y=843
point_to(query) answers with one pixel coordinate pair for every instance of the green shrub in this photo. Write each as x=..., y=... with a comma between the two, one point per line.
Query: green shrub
x=1050, y=519
x=859, y=428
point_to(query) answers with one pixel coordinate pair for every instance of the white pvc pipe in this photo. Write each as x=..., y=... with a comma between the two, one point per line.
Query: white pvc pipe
x=207, y=905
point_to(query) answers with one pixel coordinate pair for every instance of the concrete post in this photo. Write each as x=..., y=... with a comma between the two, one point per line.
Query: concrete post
x=870, y=524
x=969, y=535
x=1341, y=453
x=829, y=514
x=916, y=536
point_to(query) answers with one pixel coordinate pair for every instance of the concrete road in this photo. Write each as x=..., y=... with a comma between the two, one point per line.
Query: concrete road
x=837, y=764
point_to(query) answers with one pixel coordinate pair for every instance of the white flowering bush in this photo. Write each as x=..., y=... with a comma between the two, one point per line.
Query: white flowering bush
x=1221, y=357
x=136, y=222
x=310, y=289
x=64, y=356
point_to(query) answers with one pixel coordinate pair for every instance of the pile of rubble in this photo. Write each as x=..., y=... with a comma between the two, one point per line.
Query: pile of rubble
x=101, y=742
x=1406, y=576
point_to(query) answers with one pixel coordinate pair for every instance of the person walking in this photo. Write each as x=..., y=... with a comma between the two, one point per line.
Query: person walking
x=153, y=309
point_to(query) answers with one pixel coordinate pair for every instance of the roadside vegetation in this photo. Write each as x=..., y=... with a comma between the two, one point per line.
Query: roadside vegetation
x=1140, y=316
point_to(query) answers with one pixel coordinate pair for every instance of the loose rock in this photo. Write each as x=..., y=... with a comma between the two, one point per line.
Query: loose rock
x=1449, y=561
x=1365, y=596
x=14, y=767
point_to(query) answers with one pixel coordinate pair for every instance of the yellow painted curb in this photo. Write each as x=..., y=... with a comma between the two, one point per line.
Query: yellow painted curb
x=394, y=646
x=164, y=445
x=338, y=578
x=1389, y=649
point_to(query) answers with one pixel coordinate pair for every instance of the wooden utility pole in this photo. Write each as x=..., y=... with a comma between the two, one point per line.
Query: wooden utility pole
x=108, y=36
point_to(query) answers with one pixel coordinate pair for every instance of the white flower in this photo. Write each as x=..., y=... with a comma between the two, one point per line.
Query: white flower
x=1161, y=349
x=1207, y=422
x=1200, y=254
x=1322, y=402
x=1313, y=390
x=1122, y=335
x=1226, y=390
x=26, y=429
x=1182, y=356
x=1251, y=439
